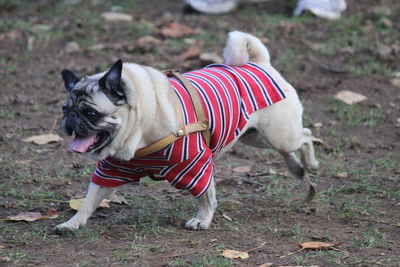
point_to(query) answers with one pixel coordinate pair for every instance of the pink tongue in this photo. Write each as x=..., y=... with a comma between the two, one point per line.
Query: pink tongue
x=82, y=144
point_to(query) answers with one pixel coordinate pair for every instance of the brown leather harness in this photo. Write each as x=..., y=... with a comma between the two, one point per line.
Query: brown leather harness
x=183, y=129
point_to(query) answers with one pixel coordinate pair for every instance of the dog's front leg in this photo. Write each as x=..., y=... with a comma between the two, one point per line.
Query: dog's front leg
x=93, y=198
x=207, y=205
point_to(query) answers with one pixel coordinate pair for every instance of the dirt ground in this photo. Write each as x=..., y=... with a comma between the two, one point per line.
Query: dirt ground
x=358, y=202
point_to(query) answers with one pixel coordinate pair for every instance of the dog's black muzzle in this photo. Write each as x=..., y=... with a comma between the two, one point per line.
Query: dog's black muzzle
x=73, y=123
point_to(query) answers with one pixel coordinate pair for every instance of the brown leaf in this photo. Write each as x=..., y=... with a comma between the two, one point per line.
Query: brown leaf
x=316, y=245
x=33, y=216
x=267, y=264
x=234, y=254
x=2, y=247
x=117, y=199
x=192, y=52
x=147, y=43
x=349, y=97
x=176, y=30
x=43, y=139
x=242, y=169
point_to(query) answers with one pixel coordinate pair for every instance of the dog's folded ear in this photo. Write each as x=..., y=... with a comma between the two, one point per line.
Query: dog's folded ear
x=110, y=83
x=70, y=79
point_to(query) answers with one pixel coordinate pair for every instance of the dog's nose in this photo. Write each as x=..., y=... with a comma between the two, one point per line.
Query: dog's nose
x=68, y=127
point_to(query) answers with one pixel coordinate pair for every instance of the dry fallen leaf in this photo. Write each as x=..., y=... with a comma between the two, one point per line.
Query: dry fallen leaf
x=147, y=43
x=192, y=52
x=76, y=203
x=33, y=216
x=267, y=264
x=43, y=139
x=2, y=247
x=349, y=97
x=234, y=254
x=242, y=169
x=176, y=30
x=117, y=199
x=316, y=245
x=116, y=17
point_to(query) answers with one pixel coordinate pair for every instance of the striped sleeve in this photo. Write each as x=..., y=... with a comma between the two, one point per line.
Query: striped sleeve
x=112, y=173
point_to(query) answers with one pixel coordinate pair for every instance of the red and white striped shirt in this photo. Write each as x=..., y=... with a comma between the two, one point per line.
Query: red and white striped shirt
x=229, y=95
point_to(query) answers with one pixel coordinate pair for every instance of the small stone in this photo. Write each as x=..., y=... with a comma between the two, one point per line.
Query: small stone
x=317, y=125
x=72, y=47
x=342, y=175
x=209, y=58
x=395, y=82
x=116, y=17
x=386, y=22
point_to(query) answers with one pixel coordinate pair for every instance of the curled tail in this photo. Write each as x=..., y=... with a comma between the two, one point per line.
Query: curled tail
x=242, y=47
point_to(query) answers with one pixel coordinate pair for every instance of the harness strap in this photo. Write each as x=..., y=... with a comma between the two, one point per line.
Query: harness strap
x=200, y=126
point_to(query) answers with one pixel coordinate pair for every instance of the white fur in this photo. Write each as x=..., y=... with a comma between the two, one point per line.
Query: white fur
x=149, y=115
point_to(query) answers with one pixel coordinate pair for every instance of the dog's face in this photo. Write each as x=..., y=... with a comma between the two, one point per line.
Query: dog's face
x=92, y=111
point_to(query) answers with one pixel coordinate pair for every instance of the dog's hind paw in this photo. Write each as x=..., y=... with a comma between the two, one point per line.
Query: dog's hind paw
x=196, y=224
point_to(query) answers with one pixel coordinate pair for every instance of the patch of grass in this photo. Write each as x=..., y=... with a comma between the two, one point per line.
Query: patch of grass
x=372, y=237
x=143, y=28
x=353, y=209
x=215, y=261
x=6, y=114
x=355, y=115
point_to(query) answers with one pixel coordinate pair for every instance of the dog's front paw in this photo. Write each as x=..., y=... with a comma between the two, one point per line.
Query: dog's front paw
x=197, y=224
x=65, y=228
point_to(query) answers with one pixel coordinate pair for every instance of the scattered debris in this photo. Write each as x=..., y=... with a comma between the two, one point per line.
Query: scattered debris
x=116, y=17
x=33, y=216
x=5, y=259
x=43, y=139
x=349, y=97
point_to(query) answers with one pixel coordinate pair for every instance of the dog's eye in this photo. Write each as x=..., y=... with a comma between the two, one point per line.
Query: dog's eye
x=90, y=113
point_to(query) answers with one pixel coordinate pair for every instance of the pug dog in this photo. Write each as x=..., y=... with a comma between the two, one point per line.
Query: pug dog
x=112, y=115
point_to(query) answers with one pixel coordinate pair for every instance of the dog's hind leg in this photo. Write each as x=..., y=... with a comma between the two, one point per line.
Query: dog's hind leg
x=207, y=205
x=307, y=152
x=93, y=198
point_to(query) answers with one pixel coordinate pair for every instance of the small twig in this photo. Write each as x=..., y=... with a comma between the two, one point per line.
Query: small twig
x=260, y=246
x=250, y=182
x=53, y=126
x=333, y=70
x=291, y=253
